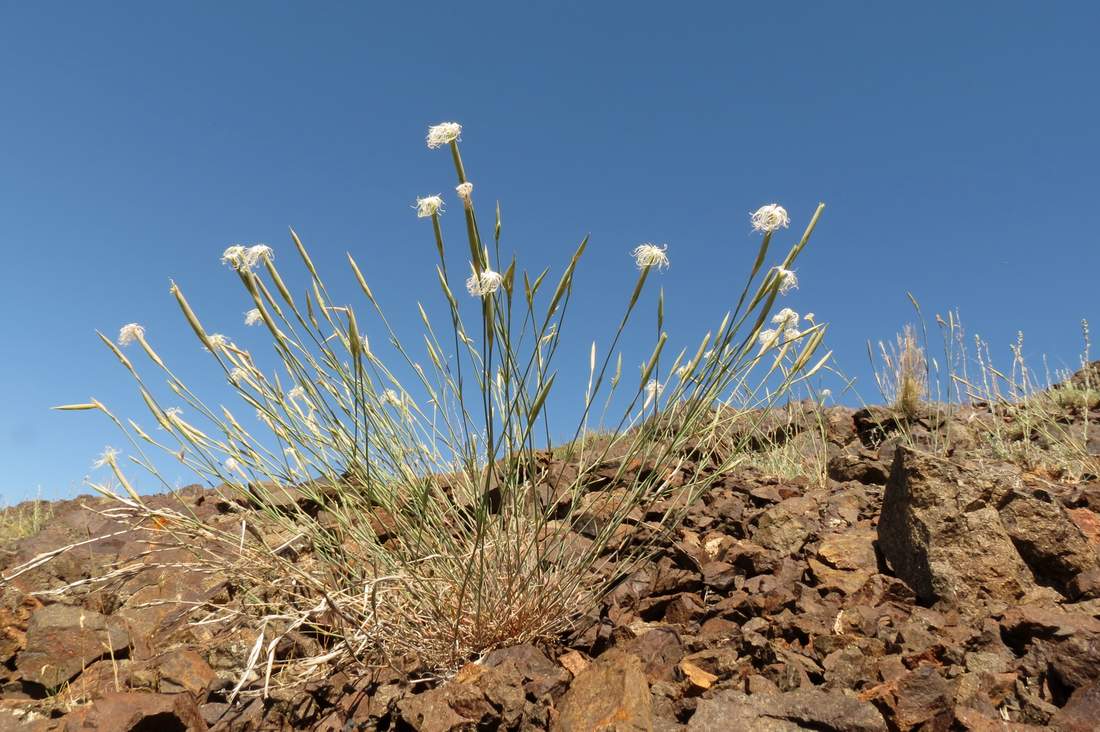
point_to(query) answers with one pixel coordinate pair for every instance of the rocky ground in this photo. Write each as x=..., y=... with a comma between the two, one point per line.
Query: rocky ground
x=923, y=584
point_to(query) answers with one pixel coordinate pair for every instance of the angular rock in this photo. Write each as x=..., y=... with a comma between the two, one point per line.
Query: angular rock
x=448, y=708
x=611, y=695
x=131, y=712
x=1047, y=538
x=540, y=675
x=62, y=640
x=941, y=533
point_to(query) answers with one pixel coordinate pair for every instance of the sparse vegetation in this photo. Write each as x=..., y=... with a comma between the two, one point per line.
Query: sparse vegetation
x=23, y=520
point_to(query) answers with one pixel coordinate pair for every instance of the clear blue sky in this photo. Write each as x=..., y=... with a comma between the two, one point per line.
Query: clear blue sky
x=955, y=144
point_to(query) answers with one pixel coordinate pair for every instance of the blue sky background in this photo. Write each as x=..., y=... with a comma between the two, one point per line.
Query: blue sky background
x=954, y=143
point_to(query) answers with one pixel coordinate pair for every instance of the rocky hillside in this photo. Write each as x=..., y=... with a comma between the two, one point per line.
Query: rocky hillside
x=925, y=576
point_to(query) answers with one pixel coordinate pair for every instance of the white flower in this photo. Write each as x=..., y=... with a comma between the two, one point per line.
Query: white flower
x=770, y=218
x=130, y=332
x=238, y=375
x=234, y=256
x=653, y=391
x=767, y=339
x=242, y=258
x=650, y=255
x=443, y=133
x=809, y=317
x=787, y=280
x=297, y=392
x=825, y=394
x=173, y=413
x=484, y=284
x=785, y=318
x=259, y=252
x=232, y=465
x=391, y=397
x=107, y=457
x=217, y=340
x=791, y=334
x=465, y=191
x=429, y=206
x=253, y=317
x=683, y=372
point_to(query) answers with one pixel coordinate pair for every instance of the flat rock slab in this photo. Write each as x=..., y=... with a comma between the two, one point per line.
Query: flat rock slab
x=796, y=710
x=63, y=640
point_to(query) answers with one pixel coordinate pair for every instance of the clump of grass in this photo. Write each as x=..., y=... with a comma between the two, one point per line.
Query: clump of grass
x=23, y=520
x=436, y=530
x=903, y=376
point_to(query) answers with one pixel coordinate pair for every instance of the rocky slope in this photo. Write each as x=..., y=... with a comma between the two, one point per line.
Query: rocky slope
x=922, y=584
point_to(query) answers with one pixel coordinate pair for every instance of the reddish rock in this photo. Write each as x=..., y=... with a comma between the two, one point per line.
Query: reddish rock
x=63, y=640
x=611, y=695
x=184, y=670
x=134, y=712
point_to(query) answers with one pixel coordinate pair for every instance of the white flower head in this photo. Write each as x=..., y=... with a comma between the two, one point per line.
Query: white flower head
x=650, y=255
x=429, y=206
x=825, y=394
x=785, y=318
x=173, y=413
x=683, y=372
x=791, y=334
x=235, y=256
x=484, y=284
x=107, y=457
x=237, y=375
x=443, y=133
x=653, y=390
x=218, y=341
x=129, y=333
x=258, y=253
x=391, y=397
x=787, y=280
x=297, y=392
x=770, y=218
x=232, y=465
x=465, y=192
x=253, y=317
x=767, y=339
x=242, y=258
x=809, y=317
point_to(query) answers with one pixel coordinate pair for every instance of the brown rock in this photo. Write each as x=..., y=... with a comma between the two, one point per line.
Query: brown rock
x=130, y=712
x=796, y=710
x=786, y=526
x=611, y=695
x=851, y=550
x=1047, y=538
x=1081, y=713
x=941, y=534
x=538, y=674
x=63, y=640
x=659, y=649
x=449, y=708
x=185, y=670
